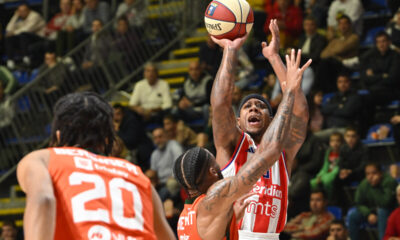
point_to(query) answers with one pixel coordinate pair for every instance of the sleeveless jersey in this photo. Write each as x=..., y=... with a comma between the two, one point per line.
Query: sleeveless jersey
x=266, y=212
x=187, y=223
x=99, y=198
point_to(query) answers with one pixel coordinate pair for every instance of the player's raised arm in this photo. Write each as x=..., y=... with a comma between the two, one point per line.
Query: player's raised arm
x=226, y=132
x=40, y=211
x=300, y=109
x=298, y=123
x=271, y=52
x=220, y=196
x=161, y=226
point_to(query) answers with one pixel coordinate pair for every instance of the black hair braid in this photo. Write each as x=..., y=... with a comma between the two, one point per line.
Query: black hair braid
x=84, y=120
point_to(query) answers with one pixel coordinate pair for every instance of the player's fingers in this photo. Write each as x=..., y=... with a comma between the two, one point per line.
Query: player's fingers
x=214, y=39
x=298, y=58
x=263, y=44
x=287, y=60
x=244, y=197
x=292, y=56
x=306, y=65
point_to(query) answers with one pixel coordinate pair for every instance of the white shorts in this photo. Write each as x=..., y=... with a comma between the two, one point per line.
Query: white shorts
x=246, y=235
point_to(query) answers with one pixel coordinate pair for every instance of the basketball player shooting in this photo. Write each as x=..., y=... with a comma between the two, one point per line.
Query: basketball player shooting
x=74, y=191
x=208, y=212
x=236, y=139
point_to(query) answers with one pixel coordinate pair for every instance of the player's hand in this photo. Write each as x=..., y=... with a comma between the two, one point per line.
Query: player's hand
x=235, y=44
x=273, y=48
x=294, y=74
x=240, y=205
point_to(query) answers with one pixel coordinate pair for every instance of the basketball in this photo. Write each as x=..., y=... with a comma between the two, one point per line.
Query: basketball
x=229, y=19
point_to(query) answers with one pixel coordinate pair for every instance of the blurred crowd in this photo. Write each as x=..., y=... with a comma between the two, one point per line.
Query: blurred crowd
x=351, y=88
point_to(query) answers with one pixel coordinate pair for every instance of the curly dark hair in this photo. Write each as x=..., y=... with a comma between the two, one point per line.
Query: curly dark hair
x=85, y=120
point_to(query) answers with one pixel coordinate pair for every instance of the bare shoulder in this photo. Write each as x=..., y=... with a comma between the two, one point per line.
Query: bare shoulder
x=33, y=161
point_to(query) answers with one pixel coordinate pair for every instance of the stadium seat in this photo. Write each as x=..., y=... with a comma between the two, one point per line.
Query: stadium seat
x=369, y=38
x=336, y=211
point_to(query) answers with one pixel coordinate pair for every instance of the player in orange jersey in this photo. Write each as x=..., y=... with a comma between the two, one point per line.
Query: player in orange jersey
x=208, y=211
x=74, y=191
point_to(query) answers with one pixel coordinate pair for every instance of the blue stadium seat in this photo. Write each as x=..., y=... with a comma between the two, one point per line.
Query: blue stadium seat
x=326, y=97
x=336, y=211
x=21, y=76
x=388, y=140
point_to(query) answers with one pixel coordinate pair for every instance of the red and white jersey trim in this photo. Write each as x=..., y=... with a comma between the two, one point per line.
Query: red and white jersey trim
x=266, y=212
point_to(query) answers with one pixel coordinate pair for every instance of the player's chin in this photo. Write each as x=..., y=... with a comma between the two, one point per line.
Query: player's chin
x=254, y=131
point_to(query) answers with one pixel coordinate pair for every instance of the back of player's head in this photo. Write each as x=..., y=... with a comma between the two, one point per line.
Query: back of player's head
x=84, y=120
x=191, y=167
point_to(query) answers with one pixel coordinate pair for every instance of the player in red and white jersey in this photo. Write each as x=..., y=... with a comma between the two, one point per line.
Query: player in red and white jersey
x=212, y=196
x=74, y=191
x=237, y=138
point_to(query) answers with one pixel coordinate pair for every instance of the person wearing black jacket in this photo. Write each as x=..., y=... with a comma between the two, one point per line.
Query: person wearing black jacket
x=341, y=110
x=133, y=133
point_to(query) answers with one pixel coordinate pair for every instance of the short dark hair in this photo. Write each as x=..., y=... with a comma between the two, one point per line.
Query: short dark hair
x=310, y=17
x=171, y=117
x=118, y=106
x=345, y=74
x=338, y=222
x=10, y=224
x=123, y=18
x=352, y=128
x=85, y=120
x=190, y=168
x=374, y=164
x=382, y=34
x=344, y=16
x=337, y=134
x=319, y=190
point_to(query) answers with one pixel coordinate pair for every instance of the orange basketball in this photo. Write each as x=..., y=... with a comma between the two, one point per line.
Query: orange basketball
x=229, y=19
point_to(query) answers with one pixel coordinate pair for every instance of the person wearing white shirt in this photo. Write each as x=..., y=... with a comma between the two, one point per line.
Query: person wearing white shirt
x=351, y=8
x=151, y=96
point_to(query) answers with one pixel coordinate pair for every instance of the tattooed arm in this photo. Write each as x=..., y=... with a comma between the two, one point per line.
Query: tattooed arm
x=215, y=210
x=226, y=133
x=300, y=109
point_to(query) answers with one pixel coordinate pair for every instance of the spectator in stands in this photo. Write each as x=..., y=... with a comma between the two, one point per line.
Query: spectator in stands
x=338, y=49
x=95, y=9
x=52, y=85
x=125, y=39
x=245, y=70
x=316, y=121
x=342, y=109
x=318, y=9
x=6, y=108
x=98, y=47
x=58, y=21
x=380, y=72
x=24, y=29
x=313, y=224
x=194, y=101
x=8, y=80
x=163, y=157
x=134, y=11
x=151, y=96
x=308, y=162
x=353, y=157
x=325, y=178
x=393, y=223
x=311, y=42
x=210, y=56
x=338, y=231
x=72, y=32
x=289, y=18
x=132, y=132
x=338, y=8
x=374, y=198
x=393, y=30
x=175, y=129
x=8, y=231
x=395, y=120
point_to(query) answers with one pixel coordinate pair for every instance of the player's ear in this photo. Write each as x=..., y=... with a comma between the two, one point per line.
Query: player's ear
x=213, y=171
x=238, y=122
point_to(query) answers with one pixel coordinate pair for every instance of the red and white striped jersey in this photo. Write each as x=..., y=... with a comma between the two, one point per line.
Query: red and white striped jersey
x=266, y=212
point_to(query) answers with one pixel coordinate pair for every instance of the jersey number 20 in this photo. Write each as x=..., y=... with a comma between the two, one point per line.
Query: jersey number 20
x=80, y=214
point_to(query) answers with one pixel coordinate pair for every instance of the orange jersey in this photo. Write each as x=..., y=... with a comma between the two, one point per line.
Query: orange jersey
x=99, y=197
x=187, y=224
